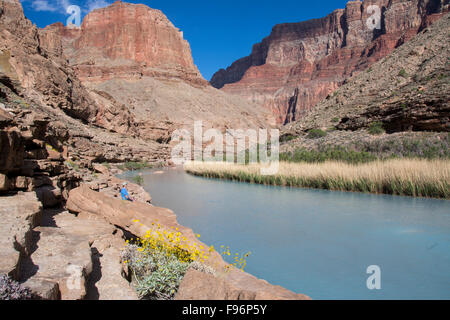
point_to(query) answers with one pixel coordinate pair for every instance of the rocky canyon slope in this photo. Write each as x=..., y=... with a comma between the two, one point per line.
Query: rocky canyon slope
x=300, y=64
x=409, y=90
x=35, y=80
x=132, y=56
x=406, y=95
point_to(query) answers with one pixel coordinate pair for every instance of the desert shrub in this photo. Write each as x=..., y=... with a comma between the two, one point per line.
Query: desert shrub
x=12, y=290
x=327, y=154
x=403, y=73
x=287, y=137
x=316, y=133
x=376, y=128
x=133, y=166
x=432, y=147
x=163, y=280
x=73, y=165
x=106, y=165
x=335, y=120
x=138, y=180
x=202, y=268
x=160, y=260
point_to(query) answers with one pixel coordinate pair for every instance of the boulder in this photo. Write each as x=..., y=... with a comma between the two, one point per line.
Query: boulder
x=101, y=169
x=43, y=289
x=118, y=212
x=11, y=149
x=22, y=183
x=4, y=182
x=110, y=284
x=197, y=285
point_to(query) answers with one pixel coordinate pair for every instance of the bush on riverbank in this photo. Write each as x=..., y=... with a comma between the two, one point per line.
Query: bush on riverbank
x=410, y=177
x=328, y=154
x=159, y=261
x=433, y=147
x=133, y=166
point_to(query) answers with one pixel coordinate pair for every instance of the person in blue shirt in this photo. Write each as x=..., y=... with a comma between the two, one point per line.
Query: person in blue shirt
x=124, y=192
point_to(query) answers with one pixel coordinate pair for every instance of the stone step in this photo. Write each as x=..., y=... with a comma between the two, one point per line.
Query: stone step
x=60, y=258
x=106, y=282
x=19, y=214
x=76, y=258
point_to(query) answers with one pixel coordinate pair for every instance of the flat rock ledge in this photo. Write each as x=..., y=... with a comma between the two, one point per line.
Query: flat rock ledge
x=19, y=214
x=76, y=258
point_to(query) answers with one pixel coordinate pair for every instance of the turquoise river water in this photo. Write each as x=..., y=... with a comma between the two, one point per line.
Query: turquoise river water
x=317, y=242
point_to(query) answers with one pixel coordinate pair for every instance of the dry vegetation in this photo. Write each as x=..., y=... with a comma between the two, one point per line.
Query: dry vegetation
x=411, y=177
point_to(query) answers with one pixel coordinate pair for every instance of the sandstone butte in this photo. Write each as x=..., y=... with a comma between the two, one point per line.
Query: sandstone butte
x=132, y=56
x=300, y=64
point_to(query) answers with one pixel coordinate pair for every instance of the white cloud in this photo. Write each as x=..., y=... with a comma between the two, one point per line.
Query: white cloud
x=62, y=5
x=43, y=5
x=96, y=4
x=59, y=6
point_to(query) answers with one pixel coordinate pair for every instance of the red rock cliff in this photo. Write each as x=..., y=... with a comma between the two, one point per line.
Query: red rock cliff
x=127, y=40
x=299, y=64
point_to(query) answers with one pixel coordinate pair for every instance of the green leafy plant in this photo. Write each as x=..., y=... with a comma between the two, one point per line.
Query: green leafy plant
x=133, y=166
x=316, y=133
x=73, y=165
x=327, y=154
x=106, y=165
x=138, y=180
x=335, y=120
x=403, y=73
x=376, y=128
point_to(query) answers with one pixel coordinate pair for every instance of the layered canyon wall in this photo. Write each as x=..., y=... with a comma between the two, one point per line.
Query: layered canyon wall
x=300, y=64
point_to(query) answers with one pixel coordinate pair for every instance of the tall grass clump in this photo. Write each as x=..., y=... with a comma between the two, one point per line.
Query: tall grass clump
x=409, y=177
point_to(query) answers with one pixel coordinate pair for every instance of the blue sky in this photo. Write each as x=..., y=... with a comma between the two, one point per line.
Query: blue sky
x=219, y=32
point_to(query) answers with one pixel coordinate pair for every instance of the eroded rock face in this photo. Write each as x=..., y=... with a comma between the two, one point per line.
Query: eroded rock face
x=408, y=90
x=299, y=64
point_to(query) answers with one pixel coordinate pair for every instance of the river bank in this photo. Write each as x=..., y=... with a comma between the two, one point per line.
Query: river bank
x=408, y=177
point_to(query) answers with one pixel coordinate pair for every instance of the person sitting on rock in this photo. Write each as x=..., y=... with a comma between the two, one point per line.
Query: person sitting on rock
x=124, y=192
